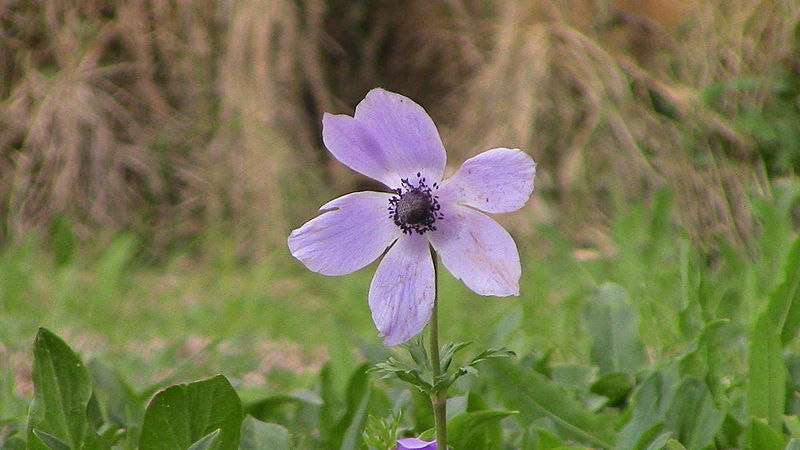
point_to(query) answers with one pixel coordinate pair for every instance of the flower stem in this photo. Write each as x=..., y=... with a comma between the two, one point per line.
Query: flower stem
x=438, y=400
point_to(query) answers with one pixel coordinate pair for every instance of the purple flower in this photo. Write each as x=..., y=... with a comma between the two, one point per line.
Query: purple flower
x=393, y=140
x=415, y=444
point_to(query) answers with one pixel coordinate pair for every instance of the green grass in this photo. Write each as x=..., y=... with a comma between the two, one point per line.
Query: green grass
x=270, y=325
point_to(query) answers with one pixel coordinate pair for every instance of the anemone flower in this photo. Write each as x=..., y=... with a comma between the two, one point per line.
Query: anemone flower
x=415, y=444
x=393, y=140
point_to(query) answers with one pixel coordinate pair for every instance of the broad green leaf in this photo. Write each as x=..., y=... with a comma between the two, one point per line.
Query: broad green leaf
x=492, y=432
x=545, y=440
x=784, y=302
x=536, y=396
x=660, y=441
x=674, y=444
x=207, y=442
x=650, y=402
x=692, y=416
x=615, y=386
x=347, y=432
x=764, y=437
x=61, y=396
x=50, y=441
x=767, y=388
x=465, y=430
x=613, y=326
x=258, y=435
x=182, y=414
x=120, y=403
x=13, y=443
x=263, y=409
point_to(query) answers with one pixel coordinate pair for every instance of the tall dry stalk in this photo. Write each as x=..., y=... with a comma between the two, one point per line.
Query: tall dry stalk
x=175, y=117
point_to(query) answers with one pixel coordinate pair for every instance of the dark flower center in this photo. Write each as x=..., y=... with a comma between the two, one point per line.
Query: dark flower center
x=415, y=208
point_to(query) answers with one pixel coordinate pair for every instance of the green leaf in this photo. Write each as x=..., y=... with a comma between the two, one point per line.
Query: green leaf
x=764, y=437
x=258, y=435
x=466, y=430
x=182, y=414
x=613, y=327
x=120, y=403
x=660, y=441
x=264, y=408
x=650, y=402
x=207, y=442
x=60, y=398
x=692, y=416
x=411, y=375
x=545, y=440
x=615, y=386
x=767, y=388
x=784, y=303
x=416, y=348
x=347, y=432
x=535, y=397
x=52, y=442
x=446, y=380
x=449, y=350
x=674, y=444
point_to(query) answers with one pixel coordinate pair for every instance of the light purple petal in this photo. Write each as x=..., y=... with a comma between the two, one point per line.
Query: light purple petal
x=390, y=138
x=401, y=292
x=496, y=181
x=415, y=444
x=478, y=251
x=355, y=232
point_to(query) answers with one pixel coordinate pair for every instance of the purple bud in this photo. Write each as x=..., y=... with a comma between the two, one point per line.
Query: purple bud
x=415, y=444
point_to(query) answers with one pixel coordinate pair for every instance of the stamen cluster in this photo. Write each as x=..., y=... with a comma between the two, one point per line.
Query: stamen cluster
x=415, y=208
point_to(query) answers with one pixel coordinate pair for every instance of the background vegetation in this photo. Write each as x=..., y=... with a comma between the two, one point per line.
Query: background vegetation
x=155, y=154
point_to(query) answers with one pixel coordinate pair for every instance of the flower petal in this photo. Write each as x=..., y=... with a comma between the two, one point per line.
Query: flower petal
x=415, y=444
x=354, y=231
x=402, y=290
x=478, y=251
x=390, y=138
x=496, y=181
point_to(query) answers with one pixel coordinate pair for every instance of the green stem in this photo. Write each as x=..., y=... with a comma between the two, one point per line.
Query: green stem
x=439, y=401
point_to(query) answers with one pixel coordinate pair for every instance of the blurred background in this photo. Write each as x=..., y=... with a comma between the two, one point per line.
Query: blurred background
x=155, y=154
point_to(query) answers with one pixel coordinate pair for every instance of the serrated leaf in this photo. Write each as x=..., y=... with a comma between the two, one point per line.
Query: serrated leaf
x=466, y=430
x=180, y=415
x=767, y=387
x=416, y=348
x=613, y=326
x=398, y=369
x=258, y=435
x=207, y=442
x=449, y=350
x=61, y=395
x=534, y=396
x=784, y=303
x=447, y=379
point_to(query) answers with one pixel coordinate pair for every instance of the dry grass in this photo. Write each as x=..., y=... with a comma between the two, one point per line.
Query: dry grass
x=175, y=117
